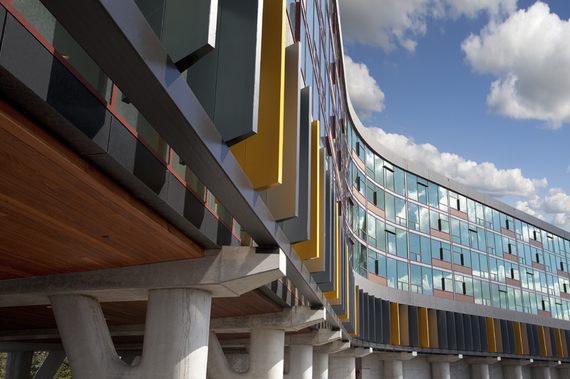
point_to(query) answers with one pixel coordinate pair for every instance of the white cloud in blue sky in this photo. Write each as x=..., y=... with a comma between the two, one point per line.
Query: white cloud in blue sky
x=390, y=23
x=529, y=54
x=365, y=94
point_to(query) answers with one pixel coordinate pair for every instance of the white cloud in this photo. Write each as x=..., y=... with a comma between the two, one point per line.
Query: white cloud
x=365, y=94
x=484, y=177
x=529, y=54
x=389, y=23
x=556, y=203
x=523, y=206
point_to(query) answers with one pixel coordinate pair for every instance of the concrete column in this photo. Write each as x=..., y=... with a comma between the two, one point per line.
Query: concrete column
x=342, y=367
x=266, y=352
x=440, y=370
x=51, y=365
x=541, y=372
x=393, y=369
x=300, y=362
x=175, y=342
x=18, y=365
x=513, y=372
x=320, y=365
x=480, y=371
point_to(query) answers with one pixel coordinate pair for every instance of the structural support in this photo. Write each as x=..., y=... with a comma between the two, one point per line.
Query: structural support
x=266, y=353
x=51, y=365
x=342, y=365
x=320, y=365
x=18, y=365
x=300, y=362
x=393, y=366
x=440, y=365
x=513, y=367
x=175, y=343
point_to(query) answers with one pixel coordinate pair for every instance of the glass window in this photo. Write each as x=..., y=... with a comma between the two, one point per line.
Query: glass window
x=392, y=272
x=412, y=186
x=403, y=276
x=400, y=183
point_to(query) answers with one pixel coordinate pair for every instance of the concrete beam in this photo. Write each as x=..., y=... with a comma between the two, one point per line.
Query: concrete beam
x=483, y=361
x=51, y=365
x=291, y=319
x=444, y=358
x=403, y=356
x=358, y=352
x=6, y=347
x=517, y=362
x=229, y=272
x=332, y=348
x=316, y=338
x=28, y=334
x=547, y=364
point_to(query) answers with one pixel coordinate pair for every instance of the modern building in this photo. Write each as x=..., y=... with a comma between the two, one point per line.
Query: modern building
x=186, y=192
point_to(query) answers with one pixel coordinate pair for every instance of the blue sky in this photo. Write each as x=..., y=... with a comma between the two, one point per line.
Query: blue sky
x=478, y=90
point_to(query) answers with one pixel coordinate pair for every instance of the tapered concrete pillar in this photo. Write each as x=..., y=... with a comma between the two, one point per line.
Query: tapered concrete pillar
x=541, y=372
x=513, y=372
x=480, y=371
x=300, y=362
x=342, y=367
x=393, y=370
x=51, y=364
x=18, y=365
x=266, y=352
x=175, y=341
x=440, y=370
x=320, y=365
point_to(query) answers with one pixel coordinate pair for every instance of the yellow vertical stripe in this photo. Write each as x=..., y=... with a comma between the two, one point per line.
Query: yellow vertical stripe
x=395, y=324
x=542, y=341
x=491, y=335
x=423, y=328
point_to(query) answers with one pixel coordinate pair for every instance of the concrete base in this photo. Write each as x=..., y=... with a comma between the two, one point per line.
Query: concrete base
x=541, y=372
x=320, y=365
x=393, y=370
x=513, y=372
x=342, y=367
x=300, y=362
x=175, y=343
x=18, y=365
x=440, y=370
x=480, y=371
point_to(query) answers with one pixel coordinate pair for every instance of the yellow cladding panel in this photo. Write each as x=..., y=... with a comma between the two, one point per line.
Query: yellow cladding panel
x=498, y=335
x=423, y=327
x=317, y=263
x=404, y=325
x=524, y=335
x=491, y=335
x=432, y=320
x=542, y=341
x=261, y=156
x=547, y=341
x=312, y=248
x=518, y=337
x=394, y=324
x=564, y=344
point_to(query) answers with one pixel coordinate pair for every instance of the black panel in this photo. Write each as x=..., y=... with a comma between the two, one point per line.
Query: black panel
x=2, y=19
x=386, y=330
x=553, y=342
x=476, y=333
x=371, y=318
x=505, y=336
x=451, y=337
x=378, y=321
x=467, y=332
x=459, y=331
x=29, y=62
x=512, y=342
x=536, y=340
x=413, y=326
x=442, y=329
x=325, y=279
x=483, y=333
x=530, y=336
x=363, y=314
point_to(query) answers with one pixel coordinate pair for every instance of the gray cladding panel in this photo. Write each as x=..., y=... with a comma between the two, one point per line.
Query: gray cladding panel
x=451, y=333
x=468, y=332
x=226, y=81
x=325, y=278
x=442, y=329
x=378, y=321
x=189, y=30
x=476, y=333
x=459, y=331
x=298, y=229
x=386, y=330
x=483, y=333
x=413, y=326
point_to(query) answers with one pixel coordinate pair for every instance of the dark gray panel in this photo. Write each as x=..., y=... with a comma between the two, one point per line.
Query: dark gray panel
x=413, y=326
x=442, y=329
x=2, y=20
x=532, y=346
x=378, y=321
x=512, y=342
x=386, y=330
x=189, y=30
x=536, y=339
x=451, y=335
x=553, y=342
x=371, y=318
x=483, y=333
x=459, y=331
x=476, y=333
x=226, y=81
x=468, y=332
x=325, y=279
x=298, y=229
x=362, y=307
x=30, y=63
x=505, y=336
